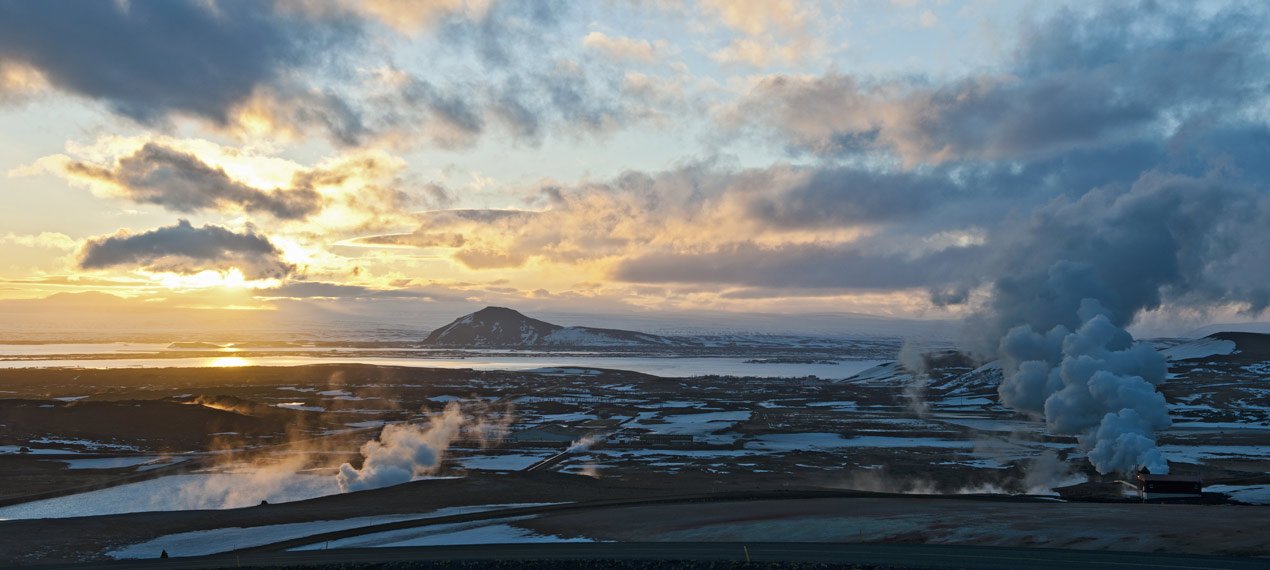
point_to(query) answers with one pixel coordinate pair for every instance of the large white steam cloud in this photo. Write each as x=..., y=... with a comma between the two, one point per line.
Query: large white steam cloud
x=405, y=451
x=1078, y=272
x=1095, y=383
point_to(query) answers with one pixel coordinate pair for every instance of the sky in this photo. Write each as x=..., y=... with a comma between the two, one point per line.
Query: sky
x=409, y=161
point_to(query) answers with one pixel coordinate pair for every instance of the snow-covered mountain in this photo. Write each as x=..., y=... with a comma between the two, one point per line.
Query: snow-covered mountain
x=503, y=327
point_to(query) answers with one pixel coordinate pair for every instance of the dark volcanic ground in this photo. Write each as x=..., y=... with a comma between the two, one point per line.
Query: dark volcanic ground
x=881, y=431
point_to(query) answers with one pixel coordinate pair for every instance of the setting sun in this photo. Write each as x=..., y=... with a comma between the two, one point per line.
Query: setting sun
x=228, y=362
x=232, y=279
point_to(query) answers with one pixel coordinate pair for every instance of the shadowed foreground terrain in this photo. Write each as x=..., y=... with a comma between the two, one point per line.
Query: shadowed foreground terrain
x=706, y=556
x=604, y=456
x=608, y=510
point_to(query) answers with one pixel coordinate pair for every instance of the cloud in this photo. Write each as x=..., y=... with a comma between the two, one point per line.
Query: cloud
x=150, y=60
x=283, y=72
x=20, y=82
x=348, y=192
x=801, y=266
x=179, y=181
x=1168, y=237
x=291, y=112
x=318, y=289
x=621, y=48
x=928, y=19
x=758, y=53
x=1077, y=81
x=49, y=240
x=411, y=16
x=448, y=117
x=697, y=224
x=507, y=33
x=185, y=249
x=1163, y=223
x=475, y=258
x=417, y=239
x=772, y=31
x=758, y=17
x=553, y=95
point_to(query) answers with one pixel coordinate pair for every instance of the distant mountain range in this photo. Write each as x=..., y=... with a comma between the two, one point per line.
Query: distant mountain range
x=503, y=327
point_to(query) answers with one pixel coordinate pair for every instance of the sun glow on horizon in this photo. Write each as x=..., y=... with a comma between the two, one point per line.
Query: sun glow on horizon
x=230, y=279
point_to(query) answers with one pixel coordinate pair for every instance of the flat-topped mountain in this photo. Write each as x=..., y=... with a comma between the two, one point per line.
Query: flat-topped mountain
x=503, y=327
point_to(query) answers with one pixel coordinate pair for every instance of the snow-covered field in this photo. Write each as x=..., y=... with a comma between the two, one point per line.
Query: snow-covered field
x=1251, y=494
x=694, y=424
x=108, y=462
x=181, y=492
x=502, y=461
x=1201, y=348
x=810, y=441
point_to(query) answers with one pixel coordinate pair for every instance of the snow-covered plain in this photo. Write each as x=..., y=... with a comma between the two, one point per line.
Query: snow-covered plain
x=1200, y=453
x=180, y=492
x=1202, y=348
x=502, y=461
x=695, y=424
x=810, y=441
x=36, y=450
x=107, y=462
x=1251, y=494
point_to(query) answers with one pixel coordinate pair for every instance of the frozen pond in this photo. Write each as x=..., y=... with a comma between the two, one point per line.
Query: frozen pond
x=669, y=366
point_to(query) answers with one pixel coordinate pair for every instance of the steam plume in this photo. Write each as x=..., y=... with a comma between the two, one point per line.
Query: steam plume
x=913, y=360
x=583, y=444
x=1078, y=272
x=1095, y=383
x=403, y=451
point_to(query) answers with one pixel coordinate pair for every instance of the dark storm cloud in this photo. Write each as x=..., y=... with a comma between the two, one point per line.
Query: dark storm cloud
x=147, y=60
x=801, y=266
x=286, y=64
x=846, y=196
x=185, y=249
x=1168, y=237
x=179, y=181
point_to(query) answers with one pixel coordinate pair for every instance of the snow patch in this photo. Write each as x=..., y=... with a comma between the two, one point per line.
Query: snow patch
x=1201, y=348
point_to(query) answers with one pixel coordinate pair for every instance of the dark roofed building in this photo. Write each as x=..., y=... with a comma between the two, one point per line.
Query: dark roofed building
x=1152, y=486
x=548, y=434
